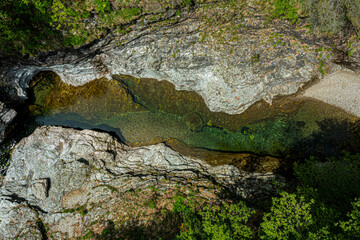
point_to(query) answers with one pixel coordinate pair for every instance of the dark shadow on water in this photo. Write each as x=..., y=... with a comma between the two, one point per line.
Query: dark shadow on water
x=63, y=121
x=115, y=132
x=333, y=139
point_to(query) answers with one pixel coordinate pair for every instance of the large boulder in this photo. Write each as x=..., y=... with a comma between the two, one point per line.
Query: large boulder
x=72, y=178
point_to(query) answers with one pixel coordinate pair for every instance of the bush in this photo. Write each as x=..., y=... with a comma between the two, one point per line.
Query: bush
x=289, y=218
x=32, y=26
x=224, y=222
x=353, y=12
x=24, y=26
x=285, y=9
x=352, y=226
x=329, y=16
x=336, y=180
x=332, y=16
x=227, y=222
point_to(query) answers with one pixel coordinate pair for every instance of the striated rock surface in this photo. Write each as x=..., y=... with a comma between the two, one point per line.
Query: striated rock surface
x=6, y=117
x=256, y=62
x=72, y=178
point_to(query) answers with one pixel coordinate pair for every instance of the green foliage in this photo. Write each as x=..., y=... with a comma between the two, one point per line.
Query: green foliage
x=102, y=6
x=336, y=180
x=187, y=2
x=67, y=15
x=81, y=209
x=285, y=9
x=325, y=218
x=32, y=26
x=213, y=222
x=227, y=222
x=74, y=40
x=25, y=26
x=289, y=218
x=255, y=58
x=89, y=235
x=352, y=226
x=333, y=185
x=191, y=227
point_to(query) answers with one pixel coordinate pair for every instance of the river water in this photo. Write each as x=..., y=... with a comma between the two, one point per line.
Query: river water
x=147, y=111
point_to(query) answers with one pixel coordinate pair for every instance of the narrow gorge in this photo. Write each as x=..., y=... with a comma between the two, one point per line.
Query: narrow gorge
x=99, y=139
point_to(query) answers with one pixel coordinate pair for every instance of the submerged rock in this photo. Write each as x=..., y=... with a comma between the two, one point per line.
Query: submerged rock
x=71, y=178
x=97, y=99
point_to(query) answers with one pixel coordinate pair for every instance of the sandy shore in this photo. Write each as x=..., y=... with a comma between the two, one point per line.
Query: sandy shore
x=341, y=89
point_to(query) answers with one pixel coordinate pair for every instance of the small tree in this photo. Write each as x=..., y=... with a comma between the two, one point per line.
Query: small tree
x=289, y=218
x=352, y=226
x=227, y=222
x=215, y=222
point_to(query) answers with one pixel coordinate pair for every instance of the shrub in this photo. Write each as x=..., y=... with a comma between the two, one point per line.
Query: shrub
x=24, y=26
x=332, y=16
x=289, y=218
x=336, y=180
x=329, y=16
x=285, y=9
x=102, y=6
x=32, y=26
x=352, y=226
x=353, y=12
x=227, y=221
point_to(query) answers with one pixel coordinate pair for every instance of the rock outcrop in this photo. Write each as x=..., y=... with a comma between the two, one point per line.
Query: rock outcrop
x=256, y=62
x=65, y=179
x=6, y=117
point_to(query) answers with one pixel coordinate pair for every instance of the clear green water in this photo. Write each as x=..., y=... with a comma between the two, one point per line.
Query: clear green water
x=146, y=111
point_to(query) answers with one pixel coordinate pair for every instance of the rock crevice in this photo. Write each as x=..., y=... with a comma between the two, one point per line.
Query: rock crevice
x=6, y=117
